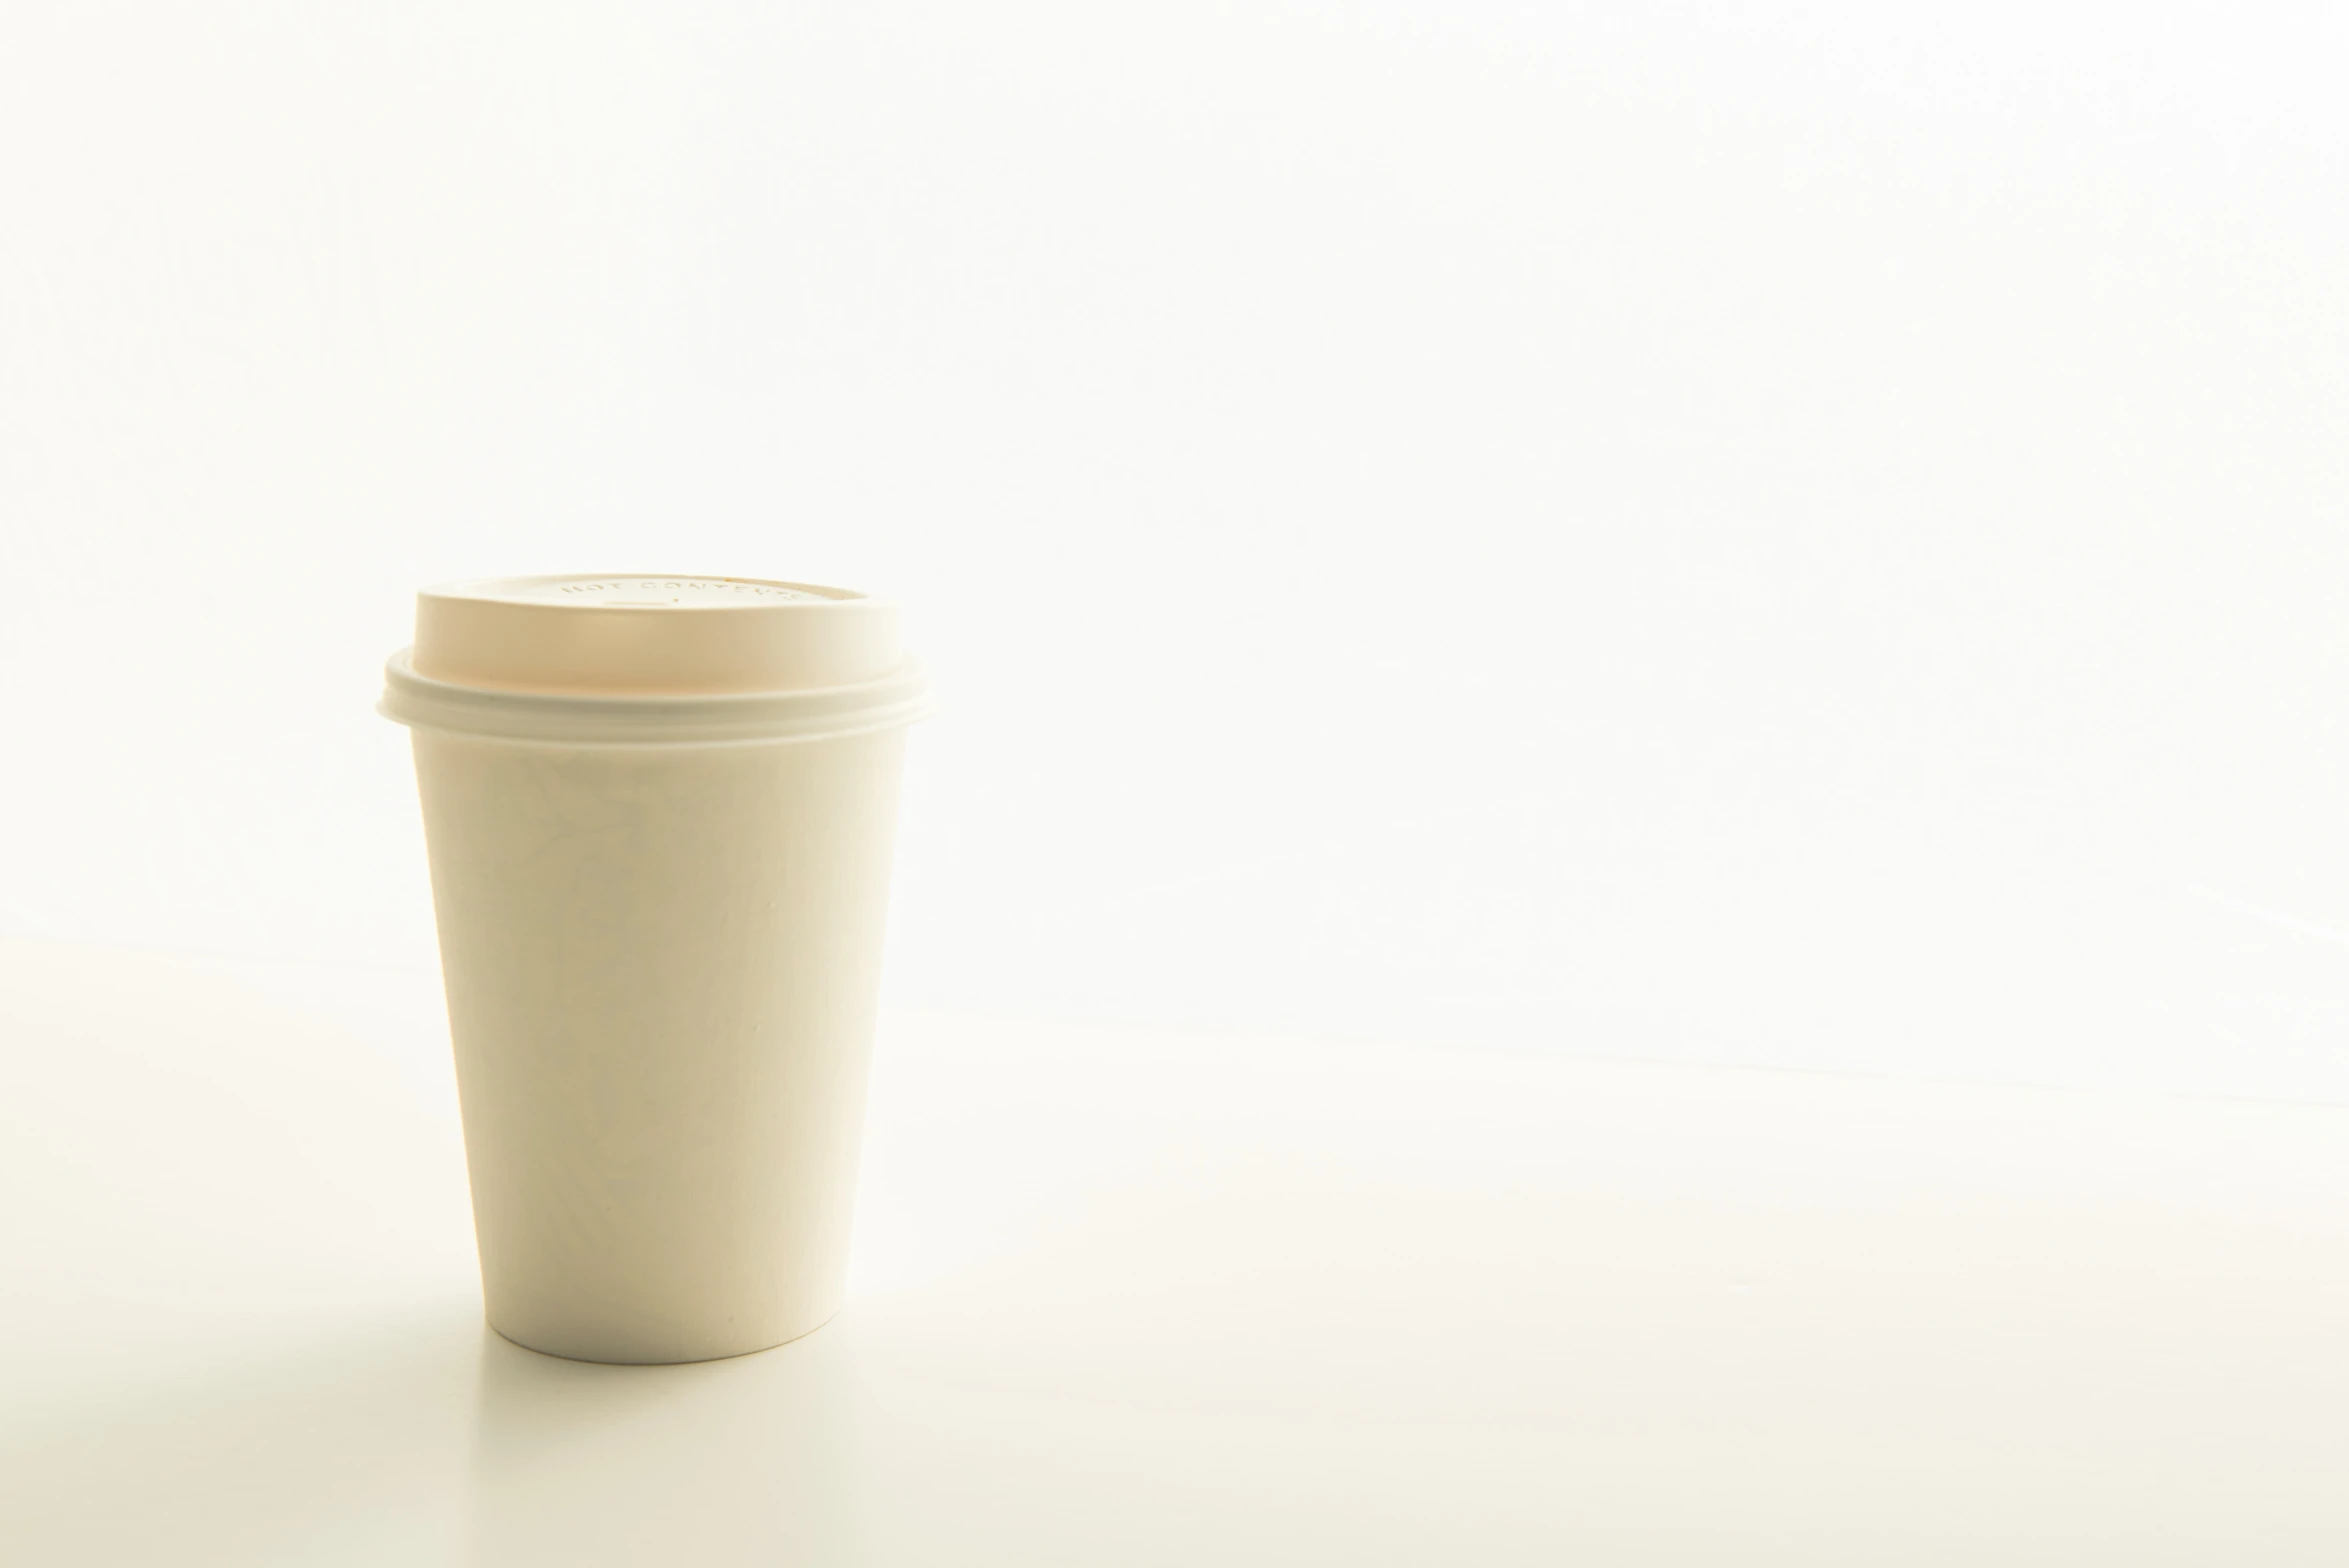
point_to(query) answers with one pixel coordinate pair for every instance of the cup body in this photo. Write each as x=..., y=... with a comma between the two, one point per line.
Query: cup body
x=662, y=963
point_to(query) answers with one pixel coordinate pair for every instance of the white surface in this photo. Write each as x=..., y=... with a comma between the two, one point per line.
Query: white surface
x=1147, y=1298
x=1808, y=535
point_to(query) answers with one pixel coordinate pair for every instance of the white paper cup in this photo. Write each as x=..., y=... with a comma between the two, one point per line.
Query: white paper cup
x=659, y=812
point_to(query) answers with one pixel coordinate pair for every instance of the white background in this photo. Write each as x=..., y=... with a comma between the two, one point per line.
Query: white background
x=1805, y=536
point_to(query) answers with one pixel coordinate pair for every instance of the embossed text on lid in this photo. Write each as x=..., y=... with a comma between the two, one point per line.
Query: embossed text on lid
x=635, y=592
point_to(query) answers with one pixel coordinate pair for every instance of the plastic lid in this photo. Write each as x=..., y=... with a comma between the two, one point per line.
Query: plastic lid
x=640, y=634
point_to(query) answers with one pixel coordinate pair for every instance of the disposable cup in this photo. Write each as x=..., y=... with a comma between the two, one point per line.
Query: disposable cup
x=659, y=813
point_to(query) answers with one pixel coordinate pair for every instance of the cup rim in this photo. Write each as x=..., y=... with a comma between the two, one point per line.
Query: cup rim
x=422, y=702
